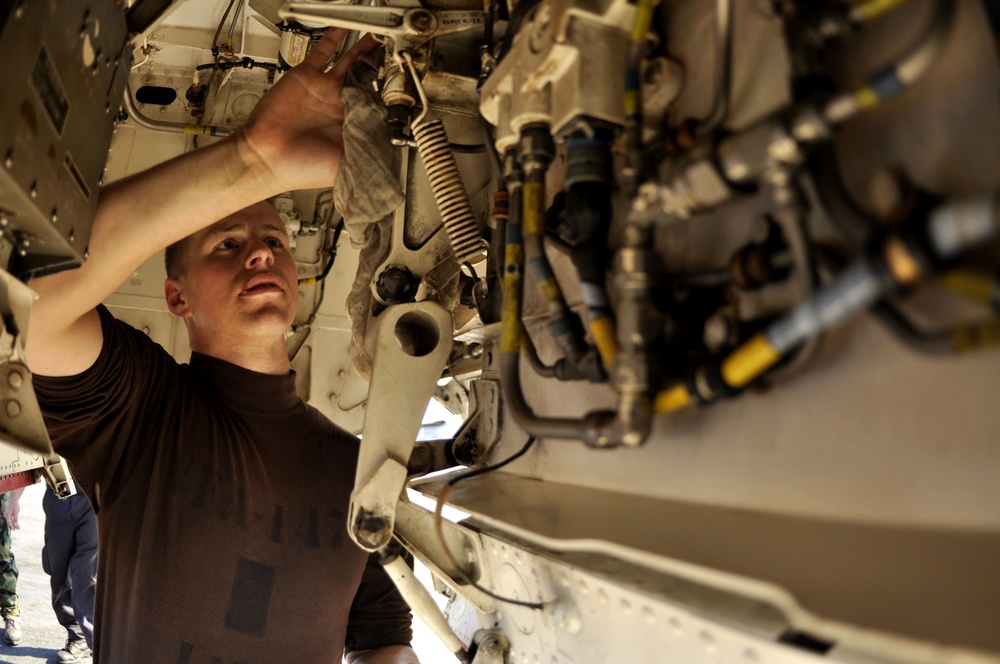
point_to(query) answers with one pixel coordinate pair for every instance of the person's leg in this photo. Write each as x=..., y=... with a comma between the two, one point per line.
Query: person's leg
x=83, y=565
x=9, y=609
x=56, y=555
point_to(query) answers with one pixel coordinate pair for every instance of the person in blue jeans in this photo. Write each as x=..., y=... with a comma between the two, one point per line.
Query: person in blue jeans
x=70, y=559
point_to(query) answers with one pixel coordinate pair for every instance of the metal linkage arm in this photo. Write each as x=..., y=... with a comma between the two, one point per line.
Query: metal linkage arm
x=409, y=25
x=412, y=344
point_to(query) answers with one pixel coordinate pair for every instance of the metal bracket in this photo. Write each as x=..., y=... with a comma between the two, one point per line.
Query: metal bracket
x=412, y=343
x=418, y=260
x=55, y=472
x=408, y=24
x=415, y=529
x=21, y=421
x=482, y=429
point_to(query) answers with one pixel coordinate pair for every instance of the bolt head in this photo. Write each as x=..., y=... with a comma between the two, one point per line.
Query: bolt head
x=13, y=408
x=15, y=379
x=373, y=531
x=421, y=20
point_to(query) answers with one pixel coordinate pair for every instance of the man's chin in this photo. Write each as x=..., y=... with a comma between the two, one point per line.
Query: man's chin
x=277, y=317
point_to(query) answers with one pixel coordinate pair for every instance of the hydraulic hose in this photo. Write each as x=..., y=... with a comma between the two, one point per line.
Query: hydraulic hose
x=633, y=95
x=629, y=423
x=977, y=286
x=897, y=260
x=535, y=155
x=512, y=337
x=588, y=212
x=899, y=76
x=958, y=340
x=869, y=10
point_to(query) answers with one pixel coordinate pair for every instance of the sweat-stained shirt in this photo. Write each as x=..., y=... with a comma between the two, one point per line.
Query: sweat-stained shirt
x=221, y=501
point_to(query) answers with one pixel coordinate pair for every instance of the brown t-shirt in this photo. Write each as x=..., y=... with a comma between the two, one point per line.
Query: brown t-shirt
x=221, y=501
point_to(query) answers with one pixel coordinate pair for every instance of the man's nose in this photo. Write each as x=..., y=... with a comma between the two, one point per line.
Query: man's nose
x=258, y=253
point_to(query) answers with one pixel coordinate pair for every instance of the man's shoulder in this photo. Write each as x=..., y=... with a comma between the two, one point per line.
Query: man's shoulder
x=329, y=429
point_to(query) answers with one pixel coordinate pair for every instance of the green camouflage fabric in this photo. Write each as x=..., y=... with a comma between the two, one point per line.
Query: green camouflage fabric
x=8, y=568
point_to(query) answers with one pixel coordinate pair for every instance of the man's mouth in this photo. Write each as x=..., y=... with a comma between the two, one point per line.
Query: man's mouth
x=261, y=284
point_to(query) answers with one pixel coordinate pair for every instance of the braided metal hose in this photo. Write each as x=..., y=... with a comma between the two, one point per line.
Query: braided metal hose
x=449, y=190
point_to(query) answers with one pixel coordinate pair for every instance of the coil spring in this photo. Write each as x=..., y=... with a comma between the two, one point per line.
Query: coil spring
x=449, y=190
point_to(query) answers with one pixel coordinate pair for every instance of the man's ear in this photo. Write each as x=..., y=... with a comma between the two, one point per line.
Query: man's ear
x=174, y=295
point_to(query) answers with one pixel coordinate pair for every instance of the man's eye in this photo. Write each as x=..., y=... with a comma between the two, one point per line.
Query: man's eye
x=227, y=244
x=274, y=242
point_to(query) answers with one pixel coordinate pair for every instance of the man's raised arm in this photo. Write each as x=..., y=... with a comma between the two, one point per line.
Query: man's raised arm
x=293, y=140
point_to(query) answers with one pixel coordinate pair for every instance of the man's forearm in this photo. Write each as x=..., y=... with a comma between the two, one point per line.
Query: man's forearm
x=292, y=140
x=140, y=215
x=135, y=218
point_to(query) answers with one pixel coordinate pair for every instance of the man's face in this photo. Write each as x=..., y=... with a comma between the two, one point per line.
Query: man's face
x=240, y=279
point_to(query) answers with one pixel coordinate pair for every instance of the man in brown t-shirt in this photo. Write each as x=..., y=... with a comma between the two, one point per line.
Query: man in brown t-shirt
x=220, y=495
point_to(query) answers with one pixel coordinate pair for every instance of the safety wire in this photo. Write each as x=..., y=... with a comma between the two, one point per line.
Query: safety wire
x=438, y=525
x=215, y=46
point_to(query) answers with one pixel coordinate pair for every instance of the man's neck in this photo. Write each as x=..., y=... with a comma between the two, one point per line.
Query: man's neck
x=263, y=357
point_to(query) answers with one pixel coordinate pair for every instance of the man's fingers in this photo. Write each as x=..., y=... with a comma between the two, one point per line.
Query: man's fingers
x=364, y=46
x=323, y=50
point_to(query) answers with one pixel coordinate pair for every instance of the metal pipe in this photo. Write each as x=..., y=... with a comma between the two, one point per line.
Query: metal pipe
x=171, y=127
x=639, y=323
x=723, y=67
x=422, y=604
x=531, y=353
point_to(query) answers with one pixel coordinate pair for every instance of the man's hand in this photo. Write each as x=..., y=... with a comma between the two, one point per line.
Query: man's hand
x=295, y=134
x=13, y=509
